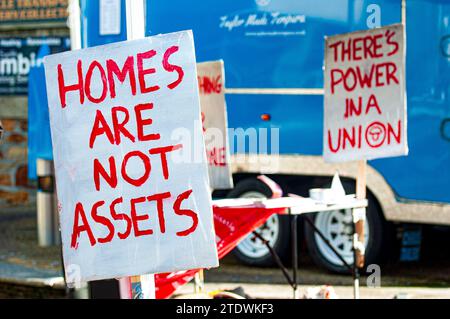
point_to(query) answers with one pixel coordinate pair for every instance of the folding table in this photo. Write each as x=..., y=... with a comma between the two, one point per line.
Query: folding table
x=294, y=207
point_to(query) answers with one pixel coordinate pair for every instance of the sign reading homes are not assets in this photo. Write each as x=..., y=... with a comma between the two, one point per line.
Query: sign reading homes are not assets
x=128, y=205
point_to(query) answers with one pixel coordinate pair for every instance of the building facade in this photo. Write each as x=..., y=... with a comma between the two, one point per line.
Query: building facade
x=25, y=25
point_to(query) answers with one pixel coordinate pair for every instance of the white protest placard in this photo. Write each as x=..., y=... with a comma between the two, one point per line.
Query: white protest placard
x=365, y=102
x=129, y=203
x=211, y=83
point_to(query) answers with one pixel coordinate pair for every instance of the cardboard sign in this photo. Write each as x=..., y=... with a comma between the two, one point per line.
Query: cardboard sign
x=365, y=102
x=211, y=82
x=129, y=203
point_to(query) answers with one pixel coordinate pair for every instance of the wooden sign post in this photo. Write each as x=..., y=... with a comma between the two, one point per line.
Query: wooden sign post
x=359, y=217
x=75, y=24
x=364, y=107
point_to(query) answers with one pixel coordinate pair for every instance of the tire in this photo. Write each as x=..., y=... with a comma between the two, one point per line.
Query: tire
x=250, y=250
x=376, y=237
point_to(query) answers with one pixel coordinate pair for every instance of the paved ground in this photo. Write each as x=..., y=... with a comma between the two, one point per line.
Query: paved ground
x=25, y=269
x=18, y=242
x=277, y=291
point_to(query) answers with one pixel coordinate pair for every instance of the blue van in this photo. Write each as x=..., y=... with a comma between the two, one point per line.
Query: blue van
x=273, y=54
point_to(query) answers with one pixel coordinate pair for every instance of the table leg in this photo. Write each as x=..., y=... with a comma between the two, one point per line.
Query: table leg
x=276, y=258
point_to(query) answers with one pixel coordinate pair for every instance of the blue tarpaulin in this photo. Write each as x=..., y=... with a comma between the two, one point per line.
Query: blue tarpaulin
x=39, y=139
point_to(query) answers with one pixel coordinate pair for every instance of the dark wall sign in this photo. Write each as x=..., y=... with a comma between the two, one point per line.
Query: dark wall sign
x=31, y=11
x=18, y=55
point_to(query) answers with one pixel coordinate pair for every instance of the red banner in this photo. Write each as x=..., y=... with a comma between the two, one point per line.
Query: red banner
x=232, y=224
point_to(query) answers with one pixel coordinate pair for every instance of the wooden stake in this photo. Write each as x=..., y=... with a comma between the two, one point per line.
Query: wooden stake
x=359, y=214
x=199, y=282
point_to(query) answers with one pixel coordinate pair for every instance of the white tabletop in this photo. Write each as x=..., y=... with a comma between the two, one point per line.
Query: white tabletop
x=297, y=205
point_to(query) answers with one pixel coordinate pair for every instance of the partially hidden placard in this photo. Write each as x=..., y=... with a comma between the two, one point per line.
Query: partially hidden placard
x=211, y=82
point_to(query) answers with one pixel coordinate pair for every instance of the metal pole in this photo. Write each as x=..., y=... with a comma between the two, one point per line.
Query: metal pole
x=143, y=286
x=359, y=216
x=45, y=200
x=75, y=24
x=294, y=254
x=55, y=215
x=355, y=265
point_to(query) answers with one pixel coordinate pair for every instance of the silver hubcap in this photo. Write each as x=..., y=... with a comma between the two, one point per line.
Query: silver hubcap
x=253, y=247
x=337, y=228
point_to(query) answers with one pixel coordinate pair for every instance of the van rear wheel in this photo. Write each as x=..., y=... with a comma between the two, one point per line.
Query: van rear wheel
x=251, y=251
x=338, y=229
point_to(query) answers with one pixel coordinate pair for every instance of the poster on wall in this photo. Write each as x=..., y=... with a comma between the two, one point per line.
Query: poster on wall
x=19, y=55
x=365, y=100
x=211, y=85
x=109, y=20
x=133, y=191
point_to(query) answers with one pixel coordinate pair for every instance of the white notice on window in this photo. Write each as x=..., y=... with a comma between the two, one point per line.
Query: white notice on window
x=109, y=17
